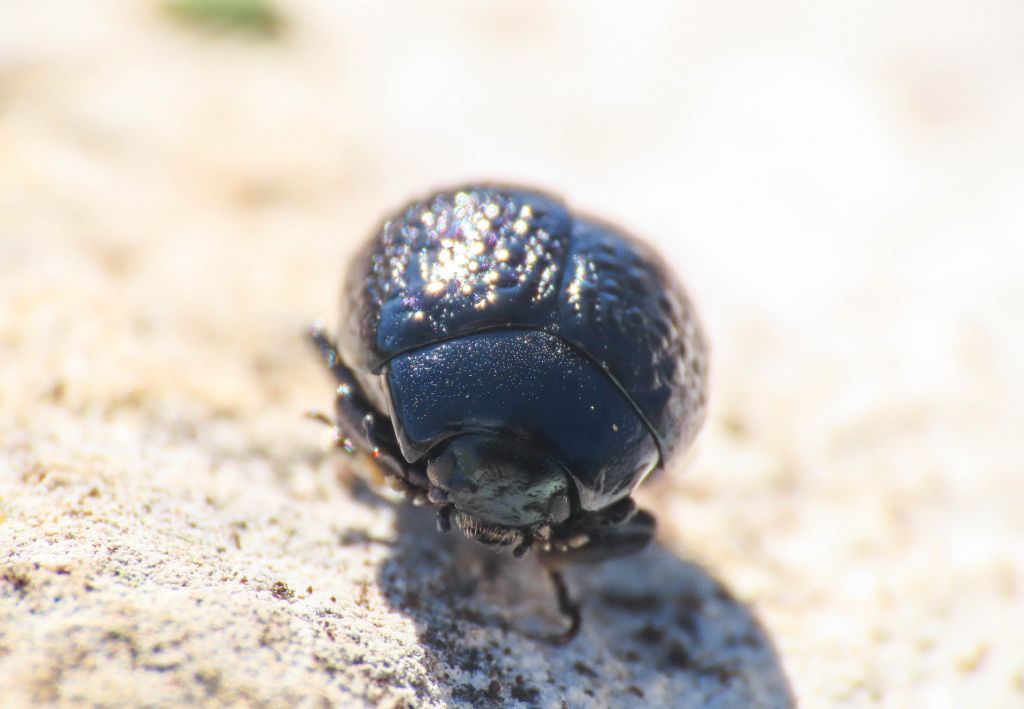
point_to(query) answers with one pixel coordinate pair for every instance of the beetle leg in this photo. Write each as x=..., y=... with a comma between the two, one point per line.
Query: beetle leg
x=444, y=519
x=525, y=543
x=360, y=426
x=617, y=531
x=337, y=440
x=620, y=531
x=568, y=607
x=329, y=353
x=374, y=438
x=320, y=417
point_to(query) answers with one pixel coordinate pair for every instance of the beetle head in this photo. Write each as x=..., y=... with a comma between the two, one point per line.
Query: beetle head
x=500, y=481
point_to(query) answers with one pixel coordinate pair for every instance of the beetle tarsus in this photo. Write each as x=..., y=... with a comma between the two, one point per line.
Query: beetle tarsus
x=444, y=519
x=523, y=547
x=329, y=353
x=320, y=417
x=568, y=607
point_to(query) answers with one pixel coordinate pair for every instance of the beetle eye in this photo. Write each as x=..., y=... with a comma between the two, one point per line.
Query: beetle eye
x=560, y=508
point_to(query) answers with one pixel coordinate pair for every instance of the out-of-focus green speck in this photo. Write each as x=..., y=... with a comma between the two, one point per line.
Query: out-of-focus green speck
x=253, y=17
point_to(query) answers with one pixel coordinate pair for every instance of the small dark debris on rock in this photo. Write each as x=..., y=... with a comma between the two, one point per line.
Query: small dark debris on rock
x=584, y=669
x=631, y=601
x=523, y=692
x=679, y=656
x=17, y=581
x=649, y=635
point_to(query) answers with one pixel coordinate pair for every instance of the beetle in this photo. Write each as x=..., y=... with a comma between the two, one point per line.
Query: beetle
x=521, y=367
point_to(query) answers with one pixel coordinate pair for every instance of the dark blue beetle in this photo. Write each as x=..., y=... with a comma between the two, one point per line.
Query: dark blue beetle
x=520, y=367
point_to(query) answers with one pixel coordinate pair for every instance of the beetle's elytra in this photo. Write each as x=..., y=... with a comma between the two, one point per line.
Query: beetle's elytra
x=520, y=367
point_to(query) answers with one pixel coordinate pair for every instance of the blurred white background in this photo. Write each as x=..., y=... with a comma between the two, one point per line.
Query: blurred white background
x=841, y=186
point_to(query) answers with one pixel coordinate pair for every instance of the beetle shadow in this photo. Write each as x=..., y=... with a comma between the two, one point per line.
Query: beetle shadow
x=657, y=629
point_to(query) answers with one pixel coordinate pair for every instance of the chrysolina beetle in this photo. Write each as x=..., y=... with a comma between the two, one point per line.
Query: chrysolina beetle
x=520, y=367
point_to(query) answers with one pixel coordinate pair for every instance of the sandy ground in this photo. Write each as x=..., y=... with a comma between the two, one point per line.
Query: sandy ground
x=843, y=191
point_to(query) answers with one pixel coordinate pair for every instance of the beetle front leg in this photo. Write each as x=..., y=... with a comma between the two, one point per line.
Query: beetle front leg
x=569, y=607
x=620, y=530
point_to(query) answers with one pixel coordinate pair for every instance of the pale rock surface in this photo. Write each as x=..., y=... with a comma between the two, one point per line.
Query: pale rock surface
x=842, y=189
